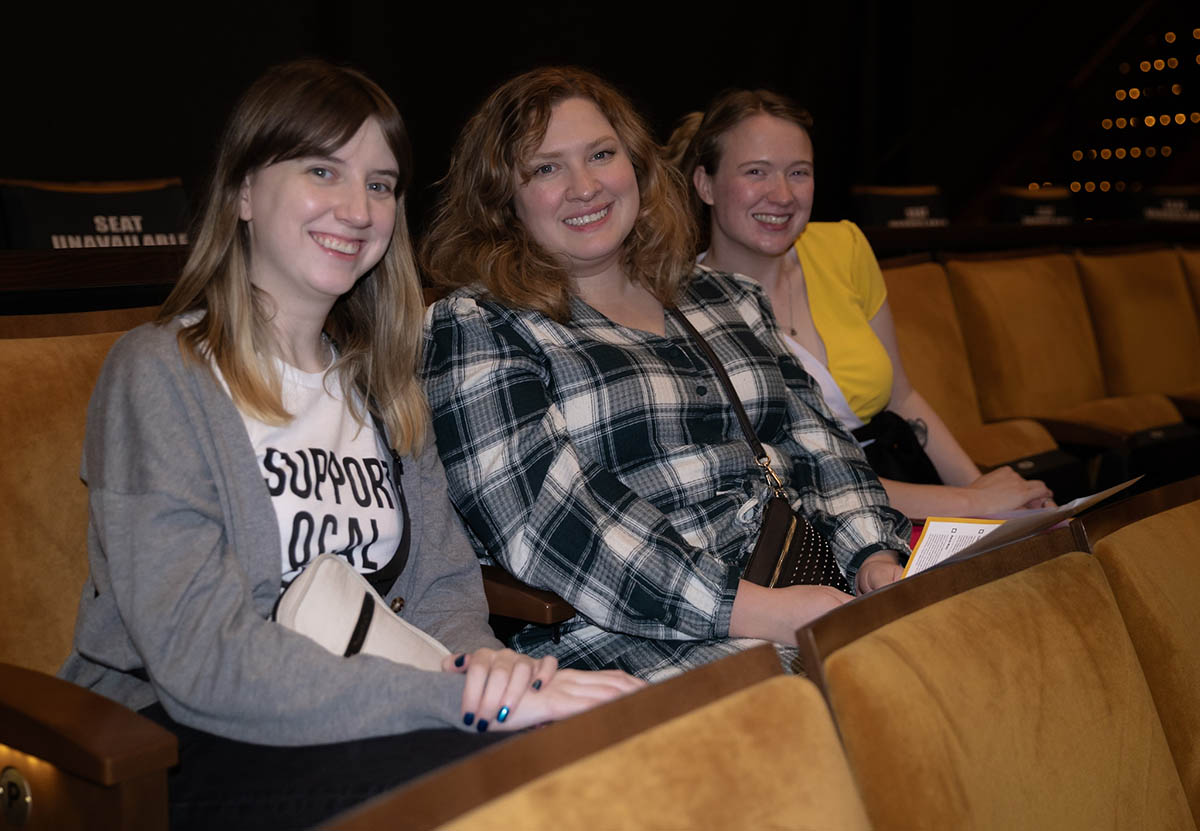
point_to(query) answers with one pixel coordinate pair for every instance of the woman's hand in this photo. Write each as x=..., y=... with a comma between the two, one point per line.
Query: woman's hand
x=570, y=691
x=1003, y=489
x=880, y=569
x=776, y=614
x=497, y=681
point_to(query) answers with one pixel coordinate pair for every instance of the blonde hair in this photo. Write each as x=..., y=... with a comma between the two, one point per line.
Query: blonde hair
x=299, y=109
x=476, y=236
x=696, y=139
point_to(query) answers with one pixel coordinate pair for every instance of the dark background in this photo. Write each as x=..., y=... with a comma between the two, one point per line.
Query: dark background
x=963, y=95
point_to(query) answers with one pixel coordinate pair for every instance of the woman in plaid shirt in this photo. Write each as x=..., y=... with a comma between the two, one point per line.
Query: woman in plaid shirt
x=587, y=441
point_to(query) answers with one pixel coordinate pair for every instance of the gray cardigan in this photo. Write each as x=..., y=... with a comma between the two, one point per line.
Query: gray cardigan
x=185, y=568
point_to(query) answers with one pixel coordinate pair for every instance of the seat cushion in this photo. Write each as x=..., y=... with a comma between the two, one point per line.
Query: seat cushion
x=1124, y=415
x=1016, y=704
x=1154, y=568
x=1001, y=442
x=1146, y=328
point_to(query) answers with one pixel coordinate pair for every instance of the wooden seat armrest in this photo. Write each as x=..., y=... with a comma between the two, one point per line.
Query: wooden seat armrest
x=77, y=730
x=1073, y=432
x=509, y=597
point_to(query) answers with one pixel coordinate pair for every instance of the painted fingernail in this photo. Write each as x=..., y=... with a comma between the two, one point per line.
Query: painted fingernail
x=502, y=715
x=537, y=685
x=468, y=718
x=458, y=662
x=482, y=726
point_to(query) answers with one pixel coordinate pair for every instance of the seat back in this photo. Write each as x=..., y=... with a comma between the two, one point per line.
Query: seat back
x=766, y=757
x=43, y=519
x=75, y=323
x=132, y=214
x=1146, y=328
x=732, y=744
x=905, y=206
x=1153, y=566
x=1018, y=703
x=1029, y=338
x=1190, y=257
x=931, y=342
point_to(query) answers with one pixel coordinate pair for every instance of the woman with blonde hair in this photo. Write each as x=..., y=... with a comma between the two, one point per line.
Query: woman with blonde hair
x=271, y=415
x=586, y=438
x=749, y=159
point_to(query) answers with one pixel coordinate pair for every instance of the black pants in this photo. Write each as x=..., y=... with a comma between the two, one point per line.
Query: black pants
x=224, y=784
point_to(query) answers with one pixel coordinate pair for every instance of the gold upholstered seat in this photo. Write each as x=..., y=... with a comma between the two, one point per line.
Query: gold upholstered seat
x=1016, y=703
x=734, y=744
x=1153, y=566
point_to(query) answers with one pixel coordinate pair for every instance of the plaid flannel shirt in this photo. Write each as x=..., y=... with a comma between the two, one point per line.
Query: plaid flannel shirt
x=605, y=464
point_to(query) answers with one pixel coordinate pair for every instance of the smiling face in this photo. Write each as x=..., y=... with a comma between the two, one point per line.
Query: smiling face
x=577, y=193
x=761, y=194
x=317, y=224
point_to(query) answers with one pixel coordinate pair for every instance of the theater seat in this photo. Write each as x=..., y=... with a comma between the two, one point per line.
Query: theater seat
x=935, y=358
x=1033, y=354
x=1016, y=703
x=68, y=215
x=1153, y=567
x=87, y=761
x=733, y=744
x=1146, y=327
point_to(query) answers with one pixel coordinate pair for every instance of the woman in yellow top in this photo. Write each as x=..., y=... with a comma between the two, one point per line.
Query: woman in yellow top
x=750, y=159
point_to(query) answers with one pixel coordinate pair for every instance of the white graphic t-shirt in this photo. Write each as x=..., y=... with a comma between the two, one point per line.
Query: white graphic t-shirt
x=331, y=480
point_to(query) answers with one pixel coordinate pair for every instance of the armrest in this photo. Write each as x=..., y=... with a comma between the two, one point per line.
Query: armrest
x=509, y=597
x=79, y=731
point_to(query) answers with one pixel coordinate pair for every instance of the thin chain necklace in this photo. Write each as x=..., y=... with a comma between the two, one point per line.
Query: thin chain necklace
x=791, y=309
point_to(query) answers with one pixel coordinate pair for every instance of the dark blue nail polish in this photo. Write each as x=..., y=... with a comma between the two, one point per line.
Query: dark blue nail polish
x=482, y=726
x=537, y=685
x=502, y=715
x=468, y=718
x=458, y=662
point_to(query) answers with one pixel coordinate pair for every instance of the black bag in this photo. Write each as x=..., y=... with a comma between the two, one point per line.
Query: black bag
x=895, y=452
x=789, y=550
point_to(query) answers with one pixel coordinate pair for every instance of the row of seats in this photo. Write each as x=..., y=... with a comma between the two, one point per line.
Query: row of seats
x=1096, y=354
x=1031, y=687
x=107, y=759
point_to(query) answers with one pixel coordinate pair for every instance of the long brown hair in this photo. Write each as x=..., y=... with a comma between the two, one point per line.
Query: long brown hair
x=696, y=140
x=476, y=236
x=294, y=110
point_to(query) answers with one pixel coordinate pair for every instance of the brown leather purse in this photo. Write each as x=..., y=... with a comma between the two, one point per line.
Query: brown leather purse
x=789, y=550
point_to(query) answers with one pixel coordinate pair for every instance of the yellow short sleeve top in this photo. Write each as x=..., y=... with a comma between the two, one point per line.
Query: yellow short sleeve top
x=845, y=290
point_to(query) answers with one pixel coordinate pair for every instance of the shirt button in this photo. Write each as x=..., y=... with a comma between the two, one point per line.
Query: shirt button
x=701, y=390
x=397, y=604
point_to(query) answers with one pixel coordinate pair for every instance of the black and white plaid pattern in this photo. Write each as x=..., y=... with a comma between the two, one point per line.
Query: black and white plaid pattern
x=604, y=463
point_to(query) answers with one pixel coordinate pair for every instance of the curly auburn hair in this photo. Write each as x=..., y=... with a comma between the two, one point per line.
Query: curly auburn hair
x=696, y=140
x=475, y=235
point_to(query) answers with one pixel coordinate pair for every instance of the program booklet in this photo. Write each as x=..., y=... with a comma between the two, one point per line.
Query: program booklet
x=955, y=538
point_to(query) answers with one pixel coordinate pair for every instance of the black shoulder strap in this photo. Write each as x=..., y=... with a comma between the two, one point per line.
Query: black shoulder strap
x=744, y=420
x=383, y=579
x=760, y=453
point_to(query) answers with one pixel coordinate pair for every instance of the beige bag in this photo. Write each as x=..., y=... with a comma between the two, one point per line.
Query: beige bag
x=335, y=606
